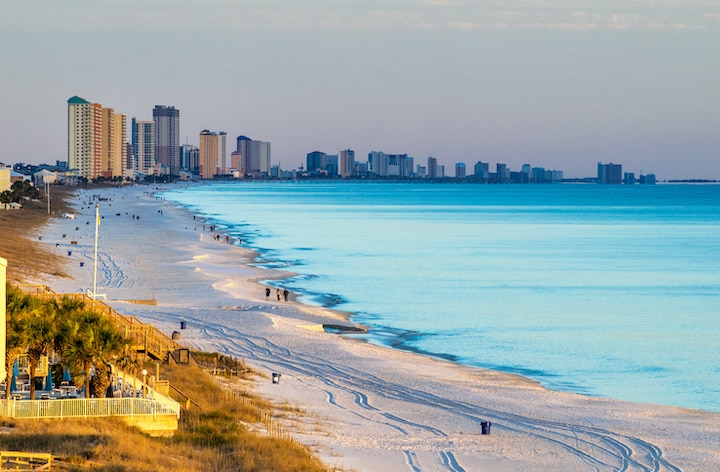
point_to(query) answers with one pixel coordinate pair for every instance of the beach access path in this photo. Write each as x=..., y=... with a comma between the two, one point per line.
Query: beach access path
x=361, y=406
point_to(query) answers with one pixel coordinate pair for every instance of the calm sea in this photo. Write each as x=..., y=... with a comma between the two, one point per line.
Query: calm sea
x=610, y=291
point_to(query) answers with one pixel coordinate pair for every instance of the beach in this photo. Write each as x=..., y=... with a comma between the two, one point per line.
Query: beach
x=359, y=406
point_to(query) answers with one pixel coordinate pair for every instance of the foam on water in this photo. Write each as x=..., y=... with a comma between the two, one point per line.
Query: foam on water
x=603, y=290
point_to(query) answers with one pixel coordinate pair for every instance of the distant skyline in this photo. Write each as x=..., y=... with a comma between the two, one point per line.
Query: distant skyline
x=558, y=84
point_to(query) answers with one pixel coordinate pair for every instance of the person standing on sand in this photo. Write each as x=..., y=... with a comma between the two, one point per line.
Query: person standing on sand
x=278, y=294
x=285, y=293
x=267, y=293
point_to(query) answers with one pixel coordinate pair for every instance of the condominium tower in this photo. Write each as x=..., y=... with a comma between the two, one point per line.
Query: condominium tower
x=114, y=132
x=253, y=156
x=167, y=137
x=212, y=154
x=143, y=146
x=609, y=173
x=347, y=163
x=96, y=138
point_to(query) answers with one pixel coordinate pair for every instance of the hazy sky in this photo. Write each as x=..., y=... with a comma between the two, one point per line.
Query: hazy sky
x=560, y=84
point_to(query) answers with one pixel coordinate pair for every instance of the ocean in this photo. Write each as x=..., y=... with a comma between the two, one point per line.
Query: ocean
x=603, y=290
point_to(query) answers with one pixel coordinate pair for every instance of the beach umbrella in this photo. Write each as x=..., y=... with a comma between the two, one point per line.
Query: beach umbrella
x=66, y=375
x=49, y=383
x=15, y=373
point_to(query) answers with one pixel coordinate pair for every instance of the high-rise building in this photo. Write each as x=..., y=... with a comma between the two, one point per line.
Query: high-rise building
x=400, y=165
x=482, y=170
x=379, y=163
x=609, y=173
x=235, y=163
x=253, y=156
x=96, y=139
x=502, y=174
x=331, y=165
x=347, y=163
x=167, y=137
x=85, y=137
x=189, y=158
x=128, y=166
x=315, y=161
x=460, y=170
x=114, y=132
x=432, y=168
x=222, y=152
x=143, y=146
x=212, y=155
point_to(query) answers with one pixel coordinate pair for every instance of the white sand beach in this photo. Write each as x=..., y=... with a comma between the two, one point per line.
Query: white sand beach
x=364, y=407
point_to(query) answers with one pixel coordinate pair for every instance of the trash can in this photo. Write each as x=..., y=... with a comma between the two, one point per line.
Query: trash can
x=275, y=378
x=69, y=253
x=82, y=264
x=175, y=335
x=485, y=425
x=182, y=325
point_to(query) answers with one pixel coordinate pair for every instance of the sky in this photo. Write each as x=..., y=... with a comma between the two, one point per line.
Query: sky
x=560, y=84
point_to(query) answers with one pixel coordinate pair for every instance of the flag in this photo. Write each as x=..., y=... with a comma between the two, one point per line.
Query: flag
x=97, y=212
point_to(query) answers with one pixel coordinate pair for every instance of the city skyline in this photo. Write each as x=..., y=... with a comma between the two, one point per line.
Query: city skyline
x=563, y=85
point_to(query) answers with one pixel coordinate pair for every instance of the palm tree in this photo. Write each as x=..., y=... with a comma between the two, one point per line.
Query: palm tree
x=110, y=346
x=6, y=197
x=39, y=330
x=19, y=306
x=92, y=340
x=78, y=340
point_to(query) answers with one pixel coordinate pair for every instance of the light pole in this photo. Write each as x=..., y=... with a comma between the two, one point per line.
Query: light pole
x=97, y=223
x=47, y=180
x=144, y=372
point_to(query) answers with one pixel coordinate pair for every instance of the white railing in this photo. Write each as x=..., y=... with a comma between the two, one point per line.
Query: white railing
x=91, y=407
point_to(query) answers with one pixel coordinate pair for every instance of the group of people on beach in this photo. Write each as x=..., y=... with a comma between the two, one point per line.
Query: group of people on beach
x=285, y=293
x=216, y=236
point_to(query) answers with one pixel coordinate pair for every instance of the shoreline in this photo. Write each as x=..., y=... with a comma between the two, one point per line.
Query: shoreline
x=370, y=407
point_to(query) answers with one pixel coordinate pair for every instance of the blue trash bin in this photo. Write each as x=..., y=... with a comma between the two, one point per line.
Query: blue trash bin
x=485, y=425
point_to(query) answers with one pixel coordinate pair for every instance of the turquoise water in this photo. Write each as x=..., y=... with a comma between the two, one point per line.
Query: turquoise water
x=610, y=291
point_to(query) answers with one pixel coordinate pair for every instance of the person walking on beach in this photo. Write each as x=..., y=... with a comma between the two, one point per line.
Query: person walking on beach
x=267, y=293
x=278, y=294
x=285, y=294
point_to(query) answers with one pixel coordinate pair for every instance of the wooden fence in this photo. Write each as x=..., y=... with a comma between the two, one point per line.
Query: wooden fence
x=12, y=460
x=91, y=407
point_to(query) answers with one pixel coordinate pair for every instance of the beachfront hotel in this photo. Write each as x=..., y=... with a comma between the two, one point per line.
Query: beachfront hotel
x=253, y=157
x=143, y=146
x=96, y=137
x=347, y=163
x=609, y=173
x=114, y=130
x=84, y=137
x=212, y=154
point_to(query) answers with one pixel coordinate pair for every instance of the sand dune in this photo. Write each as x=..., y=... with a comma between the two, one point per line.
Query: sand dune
x=363, y=407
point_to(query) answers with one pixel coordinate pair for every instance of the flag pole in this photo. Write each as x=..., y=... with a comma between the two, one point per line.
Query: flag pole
x=97, y=224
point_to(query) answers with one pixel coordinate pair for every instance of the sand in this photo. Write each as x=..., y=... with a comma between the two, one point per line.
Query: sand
x=360, y=406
